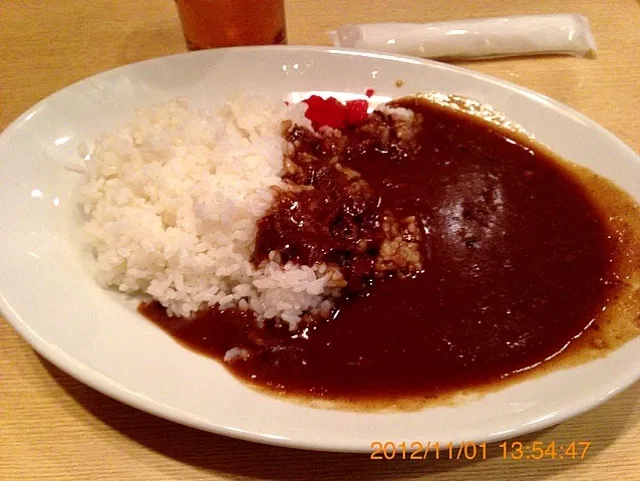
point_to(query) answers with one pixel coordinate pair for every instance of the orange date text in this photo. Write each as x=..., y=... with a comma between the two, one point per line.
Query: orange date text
x=418, y=450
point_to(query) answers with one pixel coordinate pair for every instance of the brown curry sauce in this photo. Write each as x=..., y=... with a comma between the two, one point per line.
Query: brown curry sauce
x=519, y=258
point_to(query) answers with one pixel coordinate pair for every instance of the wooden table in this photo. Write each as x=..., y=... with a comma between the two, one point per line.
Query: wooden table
x=52, y=427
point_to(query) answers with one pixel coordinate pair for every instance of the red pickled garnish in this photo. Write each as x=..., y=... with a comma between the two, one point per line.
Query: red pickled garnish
x=356, y=111
x=369, y=93
x=327, y=112
x=332, y=113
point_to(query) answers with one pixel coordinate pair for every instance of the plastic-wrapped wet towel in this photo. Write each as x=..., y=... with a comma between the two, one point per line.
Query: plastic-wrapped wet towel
x=568, y=34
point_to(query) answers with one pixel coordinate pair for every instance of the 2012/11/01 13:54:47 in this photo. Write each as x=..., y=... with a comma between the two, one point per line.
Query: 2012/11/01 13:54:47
x=514, y=450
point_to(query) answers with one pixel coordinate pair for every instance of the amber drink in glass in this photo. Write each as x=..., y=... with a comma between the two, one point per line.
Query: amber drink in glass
x=230, y=23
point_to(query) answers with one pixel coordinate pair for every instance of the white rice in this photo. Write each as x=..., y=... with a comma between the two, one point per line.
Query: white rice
x=172, y=202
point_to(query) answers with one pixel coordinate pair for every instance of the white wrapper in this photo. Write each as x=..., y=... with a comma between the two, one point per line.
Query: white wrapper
x=478, y=38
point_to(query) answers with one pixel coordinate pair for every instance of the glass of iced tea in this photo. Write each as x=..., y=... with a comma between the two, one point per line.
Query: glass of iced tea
x=229, y=23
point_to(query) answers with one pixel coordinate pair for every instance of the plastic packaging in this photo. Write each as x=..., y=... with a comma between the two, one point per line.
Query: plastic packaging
x=567, y=34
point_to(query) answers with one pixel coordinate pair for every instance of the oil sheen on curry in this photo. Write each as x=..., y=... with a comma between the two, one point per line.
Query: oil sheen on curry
x=469, y=255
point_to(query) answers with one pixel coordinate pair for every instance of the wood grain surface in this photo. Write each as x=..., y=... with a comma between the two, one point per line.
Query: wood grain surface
x=52, y=427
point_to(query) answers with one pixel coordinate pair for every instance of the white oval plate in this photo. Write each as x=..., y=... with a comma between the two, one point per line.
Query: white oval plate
x=48, y=294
